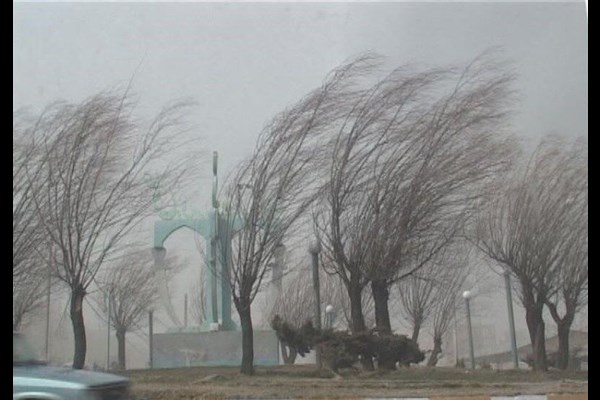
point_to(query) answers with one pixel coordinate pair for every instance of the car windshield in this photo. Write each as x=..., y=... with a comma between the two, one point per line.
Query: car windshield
x=23, y=352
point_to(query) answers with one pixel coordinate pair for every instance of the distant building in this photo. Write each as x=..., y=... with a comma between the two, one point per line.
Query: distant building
x=578, y=342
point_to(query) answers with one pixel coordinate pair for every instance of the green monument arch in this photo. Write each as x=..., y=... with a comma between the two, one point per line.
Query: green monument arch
x=214, y=230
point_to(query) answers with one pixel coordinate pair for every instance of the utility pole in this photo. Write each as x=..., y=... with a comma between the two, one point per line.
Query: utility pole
x=455, y=340
x=314, y=250
x=48, y=290
x=150, y=333
x=511, y=319
x=185, y=310
x=108, y=333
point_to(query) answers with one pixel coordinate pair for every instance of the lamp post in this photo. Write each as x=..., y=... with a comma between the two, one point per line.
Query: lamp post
x=48, y=292
x=150, y=334
x=314, y=250
x=455, y=340
x=467, y=295
x=511, y=319
x=108, y=332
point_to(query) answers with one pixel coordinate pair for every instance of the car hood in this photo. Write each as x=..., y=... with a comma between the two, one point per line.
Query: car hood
x=67, y=375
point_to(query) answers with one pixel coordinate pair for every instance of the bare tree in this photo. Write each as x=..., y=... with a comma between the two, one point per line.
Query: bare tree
x=572, y=277
x=414, y=155
x=296, y=303
x=95, y=162
x=447, y=299
x=417, y=294
x=29, y=296
x=432, y=294
x=533, y=230
x=333, y=291
x=295, y=306
x=268, y=194
x=27, y=232
x=130, y=288
x=31, y=251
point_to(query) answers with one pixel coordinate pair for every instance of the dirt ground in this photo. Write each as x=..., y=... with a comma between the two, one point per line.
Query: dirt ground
x=306, y=383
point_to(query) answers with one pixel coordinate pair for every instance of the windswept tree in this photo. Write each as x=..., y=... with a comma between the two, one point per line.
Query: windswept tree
x=571, y=280
x=537, y=228
x=29, y=296
x=32, y=252
x=417, y=295
x=130, y=286
x=27, y=231
x=334, y=293
x=571, y=285
x=295, y=305
x=92, y=178
x=268, y=194
x=432, y=294
x=408, y=166
x=448, y=297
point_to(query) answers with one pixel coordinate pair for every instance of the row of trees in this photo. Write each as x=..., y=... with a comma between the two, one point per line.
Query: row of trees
x=81, y=186
x=397, y=176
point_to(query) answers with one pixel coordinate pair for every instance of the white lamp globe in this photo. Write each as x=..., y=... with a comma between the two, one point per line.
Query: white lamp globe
x=466, y=294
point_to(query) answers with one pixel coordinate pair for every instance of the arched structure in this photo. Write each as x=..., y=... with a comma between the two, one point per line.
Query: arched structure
x=218, y=291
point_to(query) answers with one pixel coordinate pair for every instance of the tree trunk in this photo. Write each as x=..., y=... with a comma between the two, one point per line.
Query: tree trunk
x=356, y=314
x=562, y=358
x=17, y=323
x=293, y=355
x=76, y=311
x=536, y=327
x=380, y=292
x=563, y=326
x=247, y=367
x=437, y=350
x=416, y=330
x=289, y=358
x=284, y=352
x=358, y=321
x=121, y=345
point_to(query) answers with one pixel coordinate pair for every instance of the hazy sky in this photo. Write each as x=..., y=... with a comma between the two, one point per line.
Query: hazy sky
x=242, y=63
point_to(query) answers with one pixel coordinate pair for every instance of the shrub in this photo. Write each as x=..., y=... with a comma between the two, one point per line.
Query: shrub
x=301, y=339
x=342, y=349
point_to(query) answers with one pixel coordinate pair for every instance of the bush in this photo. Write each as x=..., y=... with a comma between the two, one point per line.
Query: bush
x=301, y=339
x=342, y=350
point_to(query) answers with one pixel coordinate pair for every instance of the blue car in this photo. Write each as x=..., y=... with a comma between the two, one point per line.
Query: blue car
x=35, y=380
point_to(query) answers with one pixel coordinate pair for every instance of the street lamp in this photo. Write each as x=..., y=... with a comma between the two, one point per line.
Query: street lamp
x=511, y=319
x=467, y=295
x=314, y=248
x=329, y=316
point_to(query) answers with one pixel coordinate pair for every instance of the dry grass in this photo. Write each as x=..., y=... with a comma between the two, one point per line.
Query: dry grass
x=303, y=381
